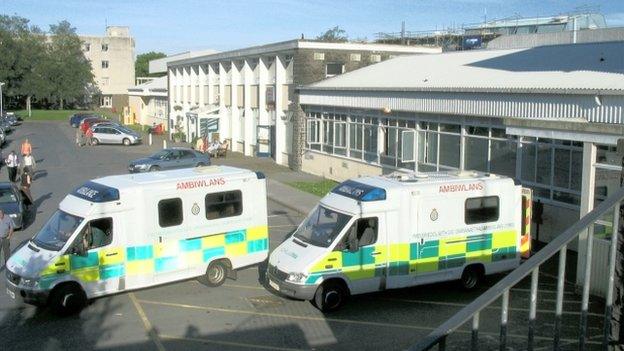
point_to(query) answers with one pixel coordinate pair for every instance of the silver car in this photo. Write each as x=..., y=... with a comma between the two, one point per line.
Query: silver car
x=114, y=134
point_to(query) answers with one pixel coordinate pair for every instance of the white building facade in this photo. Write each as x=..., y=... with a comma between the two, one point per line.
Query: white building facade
x=246, y=96
x=148, y=103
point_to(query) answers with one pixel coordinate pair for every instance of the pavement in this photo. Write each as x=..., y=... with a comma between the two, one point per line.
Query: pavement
x=243, y=314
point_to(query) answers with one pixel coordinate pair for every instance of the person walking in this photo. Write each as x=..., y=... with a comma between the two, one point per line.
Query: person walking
x=29, y=164
x=89, y=136
x=79, y=137
x=26, y=148
x=6, y=232
x=12, y=163
x=25, y=183
x=199, y=144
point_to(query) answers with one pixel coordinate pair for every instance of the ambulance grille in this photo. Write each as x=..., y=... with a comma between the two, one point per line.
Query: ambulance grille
x=277, y=273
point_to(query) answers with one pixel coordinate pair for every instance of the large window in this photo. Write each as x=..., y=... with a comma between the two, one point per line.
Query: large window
x=333, y=69
x=552, y=168
x=224, y=204
x=481, y=210
x=170, y=212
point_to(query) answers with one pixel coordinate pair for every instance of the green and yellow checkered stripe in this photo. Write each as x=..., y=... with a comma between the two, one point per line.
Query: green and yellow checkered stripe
x=161, y=257
x=416, y=258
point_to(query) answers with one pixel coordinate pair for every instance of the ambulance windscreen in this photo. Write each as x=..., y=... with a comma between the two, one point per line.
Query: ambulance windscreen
x=359, y=191
x=96, y=192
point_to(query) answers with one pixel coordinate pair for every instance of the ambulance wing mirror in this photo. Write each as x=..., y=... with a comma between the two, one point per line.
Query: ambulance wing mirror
x=79, y=249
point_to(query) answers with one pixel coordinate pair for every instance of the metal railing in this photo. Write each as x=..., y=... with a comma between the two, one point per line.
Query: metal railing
x=531, y=267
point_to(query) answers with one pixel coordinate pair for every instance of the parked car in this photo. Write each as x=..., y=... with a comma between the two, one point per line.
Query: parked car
x=14, y=203
x=111, y=134
x=13, y=120
x=170, y=159
x=88, y=122
x=2, y=137
x=76, y=118
x=6, y=125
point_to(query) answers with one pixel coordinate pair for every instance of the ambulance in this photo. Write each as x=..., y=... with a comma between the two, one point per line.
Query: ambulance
x=133, y=231
x=387, y=232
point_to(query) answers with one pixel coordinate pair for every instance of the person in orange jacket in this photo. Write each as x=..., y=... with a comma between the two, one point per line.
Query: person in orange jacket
x=26, y=148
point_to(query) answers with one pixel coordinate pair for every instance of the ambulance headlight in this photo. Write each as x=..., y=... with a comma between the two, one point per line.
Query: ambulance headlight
x=297, y=277
x=29, y=283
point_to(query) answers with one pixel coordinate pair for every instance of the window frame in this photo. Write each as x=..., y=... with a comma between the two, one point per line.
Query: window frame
x=482, y=199
x=238, y=199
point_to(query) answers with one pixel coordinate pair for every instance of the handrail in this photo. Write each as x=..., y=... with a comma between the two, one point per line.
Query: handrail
x=517, y=275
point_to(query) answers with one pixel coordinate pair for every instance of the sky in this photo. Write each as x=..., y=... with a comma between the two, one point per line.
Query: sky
x=174, y=26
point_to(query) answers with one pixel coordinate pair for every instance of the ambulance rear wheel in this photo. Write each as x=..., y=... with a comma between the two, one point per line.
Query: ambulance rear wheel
x=67, y=299
x=330, y=296
x=216, y=274
x=471, y=277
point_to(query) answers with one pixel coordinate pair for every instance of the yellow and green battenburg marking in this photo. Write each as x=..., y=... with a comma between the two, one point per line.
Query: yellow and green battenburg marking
x=415, y=258
x=162, y=257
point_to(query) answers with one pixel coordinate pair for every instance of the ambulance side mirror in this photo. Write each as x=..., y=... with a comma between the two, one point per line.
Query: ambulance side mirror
x=79, y=249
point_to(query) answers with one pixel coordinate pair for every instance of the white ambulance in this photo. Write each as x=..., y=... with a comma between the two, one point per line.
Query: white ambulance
x=387, y=232
x=133, y=231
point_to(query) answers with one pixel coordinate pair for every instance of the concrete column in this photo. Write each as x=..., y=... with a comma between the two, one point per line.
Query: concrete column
x=280, y=126
x=224, y=116
x=171, y=77
x=235, y=120
x=209, y=81
x=263, y=80
x=202, y=85
x=249, y=118
x=587, y=204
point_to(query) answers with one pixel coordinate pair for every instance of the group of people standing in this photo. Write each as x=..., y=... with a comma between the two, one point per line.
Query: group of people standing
x=27, y=165
x=204, y=146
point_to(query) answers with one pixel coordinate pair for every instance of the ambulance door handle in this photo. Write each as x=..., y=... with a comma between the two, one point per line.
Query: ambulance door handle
x=375, y=253
x=332, y=259
x=111, y=254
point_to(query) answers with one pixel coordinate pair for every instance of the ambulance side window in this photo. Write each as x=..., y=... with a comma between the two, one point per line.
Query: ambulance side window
x=224, y=204
x=482, y=209
x=365, y=230
x=98, y=233
x=170, y=212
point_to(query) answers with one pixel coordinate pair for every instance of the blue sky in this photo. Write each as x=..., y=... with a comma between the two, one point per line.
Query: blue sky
x=176, y=26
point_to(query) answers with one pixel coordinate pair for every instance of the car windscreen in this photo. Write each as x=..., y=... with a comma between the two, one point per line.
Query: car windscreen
x=125, y=130
x=57, y=230
x=322, y=226
x=160, y=155
x=7, y=195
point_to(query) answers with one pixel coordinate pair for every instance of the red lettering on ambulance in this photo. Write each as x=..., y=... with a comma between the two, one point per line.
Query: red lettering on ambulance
x=451, y=188
x=192, y=184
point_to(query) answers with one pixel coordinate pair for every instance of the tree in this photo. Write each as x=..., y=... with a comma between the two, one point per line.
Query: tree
x=67, y=70
x=141, y=65
x=334, y=35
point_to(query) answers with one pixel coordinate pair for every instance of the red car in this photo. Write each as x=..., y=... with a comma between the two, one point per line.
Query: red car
x=88, y=122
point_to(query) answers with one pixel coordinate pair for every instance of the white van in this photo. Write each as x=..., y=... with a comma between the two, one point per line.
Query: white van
x=133, y=231
x=387, y=232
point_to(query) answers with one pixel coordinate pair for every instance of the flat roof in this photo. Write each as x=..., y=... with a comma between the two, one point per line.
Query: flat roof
x=290, y=45
x=573, y=68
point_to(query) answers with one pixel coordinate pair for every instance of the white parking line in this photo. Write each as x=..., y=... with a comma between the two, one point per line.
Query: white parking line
x=228, y=343
x=151, y=332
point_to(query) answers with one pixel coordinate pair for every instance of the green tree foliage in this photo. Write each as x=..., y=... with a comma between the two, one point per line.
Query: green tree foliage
x=50, y=68
x=141, y=65
x=334, y=35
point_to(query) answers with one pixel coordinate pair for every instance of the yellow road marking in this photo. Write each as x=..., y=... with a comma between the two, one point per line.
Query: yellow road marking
x=346, y=321
x=151, y=332
x=228, y=343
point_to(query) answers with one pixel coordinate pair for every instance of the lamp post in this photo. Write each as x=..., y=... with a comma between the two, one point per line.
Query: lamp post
x=1, y=100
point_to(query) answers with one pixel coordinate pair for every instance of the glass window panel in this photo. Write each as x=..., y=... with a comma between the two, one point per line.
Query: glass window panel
x=544, y=164
x=503, y=157
x=476, y=154
x=370, y=139
x=449, y=150
x=562, y=168
x=576, y=170
x=450, y=128
x=498, y=133
x=432, y=148
x=568, y=198
x=482, y=131
x=528, y=162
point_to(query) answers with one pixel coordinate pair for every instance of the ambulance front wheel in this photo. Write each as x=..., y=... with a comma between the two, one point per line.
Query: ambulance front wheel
x=330, y=296
x=216, y=273
x=67, y=299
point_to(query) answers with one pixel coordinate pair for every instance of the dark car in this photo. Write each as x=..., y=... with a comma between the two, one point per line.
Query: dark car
x=170, y=159
x=76, y=118
x=14, y=203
